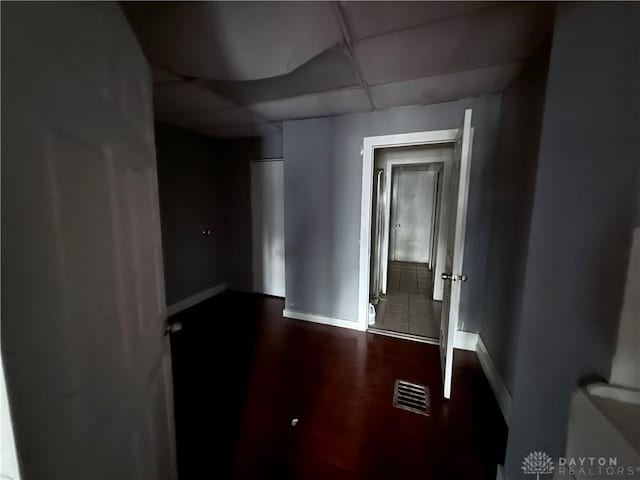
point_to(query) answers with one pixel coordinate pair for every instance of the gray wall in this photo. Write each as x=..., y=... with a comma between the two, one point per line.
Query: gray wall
x=513, y=183
x=585, y=206
x=236, y=174
x=323, y=177
x=206, y=183
x=192, y=198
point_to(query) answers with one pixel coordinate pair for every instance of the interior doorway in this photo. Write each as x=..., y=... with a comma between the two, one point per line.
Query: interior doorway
x=449, y=258
x=406, y=216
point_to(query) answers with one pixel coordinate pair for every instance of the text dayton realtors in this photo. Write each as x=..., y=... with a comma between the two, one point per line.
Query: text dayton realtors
x=594, y=466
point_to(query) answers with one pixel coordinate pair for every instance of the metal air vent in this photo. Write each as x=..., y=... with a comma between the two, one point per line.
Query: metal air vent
x=412, y=397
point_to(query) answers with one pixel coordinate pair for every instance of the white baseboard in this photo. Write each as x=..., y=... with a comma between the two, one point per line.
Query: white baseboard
x=309, y=317
x=195, y=299
x=465, y=341
x=500, y=390
x=404, y=336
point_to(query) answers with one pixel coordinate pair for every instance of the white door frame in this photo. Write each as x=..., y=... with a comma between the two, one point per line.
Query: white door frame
x=9, y=465
x=369, y=144
x=436, y=207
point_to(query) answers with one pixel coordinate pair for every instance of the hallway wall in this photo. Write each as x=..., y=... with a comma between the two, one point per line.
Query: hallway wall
x=235, y=156
x=323, y=177
x=513, y=185
x=585, y=207
x=205, y=183
x=192, y=198
x=430, y=153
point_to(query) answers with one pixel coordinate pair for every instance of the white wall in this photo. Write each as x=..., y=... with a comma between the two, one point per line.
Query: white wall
x=411, y=215
x=267, y=219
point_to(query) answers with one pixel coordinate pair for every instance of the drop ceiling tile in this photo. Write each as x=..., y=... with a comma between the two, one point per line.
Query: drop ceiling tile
x=185, y=96
x=211, y=119
x=233, y=40
x=366, y=19
x=325, y=104
x=494, y=36
x=442, y=88
x=331, y=70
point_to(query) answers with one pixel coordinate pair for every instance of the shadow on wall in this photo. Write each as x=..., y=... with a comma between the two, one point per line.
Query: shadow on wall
x=204, y=184
x=235, y=173
x=513, y=183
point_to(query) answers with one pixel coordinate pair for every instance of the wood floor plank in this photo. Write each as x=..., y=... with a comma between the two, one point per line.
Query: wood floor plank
x=243, y=373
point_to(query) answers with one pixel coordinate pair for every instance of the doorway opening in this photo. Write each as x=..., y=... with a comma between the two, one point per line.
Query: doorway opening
x=447, y=277
x=406, y=236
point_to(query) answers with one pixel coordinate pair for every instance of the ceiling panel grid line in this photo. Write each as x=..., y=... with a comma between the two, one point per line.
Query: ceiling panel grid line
x=241, y=68
x=346, y=35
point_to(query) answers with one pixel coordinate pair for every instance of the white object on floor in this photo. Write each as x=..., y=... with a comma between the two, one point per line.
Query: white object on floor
x=372, y=314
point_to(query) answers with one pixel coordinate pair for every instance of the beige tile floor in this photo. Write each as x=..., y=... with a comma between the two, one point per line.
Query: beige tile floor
x=408, y=307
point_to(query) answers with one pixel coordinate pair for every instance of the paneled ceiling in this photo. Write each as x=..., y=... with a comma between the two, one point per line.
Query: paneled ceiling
x=234, y=69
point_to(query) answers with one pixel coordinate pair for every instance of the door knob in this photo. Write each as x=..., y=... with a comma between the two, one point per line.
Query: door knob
x=453, y=278
x=397, y=225
x=172, y=328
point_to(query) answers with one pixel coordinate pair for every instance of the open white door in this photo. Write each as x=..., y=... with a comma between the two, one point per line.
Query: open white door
x=86, y=360
x=458, y=190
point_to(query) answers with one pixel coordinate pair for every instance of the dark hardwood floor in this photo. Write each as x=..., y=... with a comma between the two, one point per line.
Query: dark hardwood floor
x=242, y=372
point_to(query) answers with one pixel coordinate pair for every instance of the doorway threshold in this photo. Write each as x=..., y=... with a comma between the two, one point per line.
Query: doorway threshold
x=404, y=336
